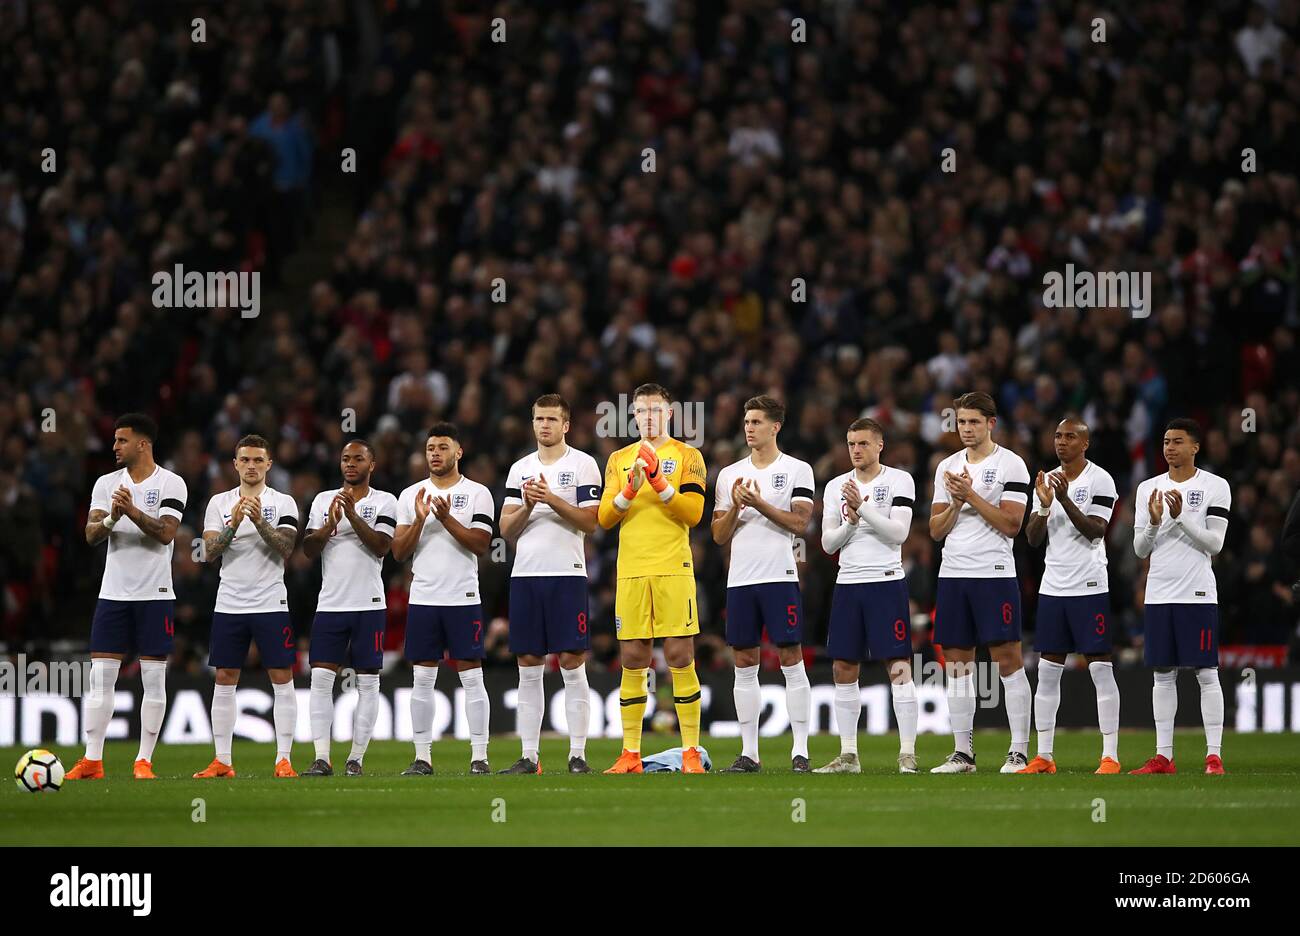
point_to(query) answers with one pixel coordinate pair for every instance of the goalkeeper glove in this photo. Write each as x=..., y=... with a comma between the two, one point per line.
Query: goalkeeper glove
x=635, y=478
x=653, y=473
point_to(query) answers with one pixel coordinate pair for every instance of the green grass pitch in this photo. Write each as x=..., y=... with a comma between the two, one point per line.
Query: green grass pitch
x=1256, y=803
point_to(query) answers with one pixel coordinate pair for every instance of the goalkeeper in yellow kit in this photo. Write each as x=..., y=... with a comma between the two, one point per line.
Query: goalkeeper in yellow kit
x=655, y=489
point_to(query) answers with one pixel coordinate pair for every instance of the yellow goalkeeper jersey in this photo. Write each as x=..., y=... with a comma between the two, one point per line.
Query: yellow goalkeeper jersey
x=654, y=537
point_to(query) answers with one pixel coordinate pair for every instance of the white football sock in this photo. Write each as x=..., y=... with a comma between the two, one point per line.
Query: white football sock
x=905, y=709
x=1164, y=705
x=98, y=706
x=476, y=711
x=577, y=708
x=153, y=675
x=1211, y=709
x=529, y=711
x=1047, y=700
x=848, y=711
x=1020, y=700
x=285, y=708
x=798, y=702
x=1103, y=677
x=363, y=719
x=322, y=710
x=223, y=720
x=426, y=677
x=749, y=701
x=961, y=712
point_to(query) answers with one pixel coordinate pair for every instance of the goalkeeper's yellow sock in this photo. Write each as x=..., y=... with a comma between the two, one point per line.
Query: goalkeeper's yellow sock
x=631, y=700
x=686, y=696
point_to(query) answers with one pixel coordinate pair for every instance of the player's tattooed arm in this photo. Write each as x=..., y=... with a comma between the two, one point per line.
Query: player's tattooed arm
x=162, y=529
x=95, y=531
x=281, y=539
x=215, y=543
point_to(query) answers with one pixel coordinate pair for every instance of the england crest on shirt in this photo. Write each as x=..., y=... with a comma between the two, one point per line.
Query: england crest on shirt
x=669, y=465
x=1195, y=498
x=565, y=479
x=779, y=481
x=1080, y=496
x=268, y=514
x=368, y=513
x=990, y=476
x=459, y=501
x=151, y=498
x=879, y=494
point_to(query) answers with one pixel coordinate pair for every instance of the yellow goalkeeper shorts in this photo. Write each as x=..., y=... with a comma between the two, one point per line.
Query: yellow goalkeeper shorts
x=656, y=606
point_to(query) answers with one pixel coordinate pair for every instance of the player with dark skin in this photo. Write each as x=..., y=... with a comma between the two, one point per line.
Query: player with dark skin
x=134, y=452
x=443, y=455
x=357, y=464
x=1072, y=438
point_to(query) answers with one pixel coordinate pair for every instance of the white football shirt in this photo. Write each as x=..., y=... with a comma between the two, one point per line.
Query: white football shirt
x=865, y=557
x=138, y=567
x=973, y=548
x=1074, y=564
x=1180, y=571
x=351, y=578
x=252, y=573
x=445, y=572
x=762, y=551
x=548, y=544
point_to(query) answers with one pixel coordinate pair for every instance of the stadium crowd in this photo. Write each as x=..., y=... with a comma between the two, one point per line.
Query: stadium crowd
x=774, y=161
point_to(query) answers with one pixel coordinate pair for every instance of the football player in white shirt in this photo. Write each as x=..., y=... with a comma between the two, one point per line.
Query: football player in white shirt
x=866, y=518
x=252, y=529
x=136, y=510
x=1180, y=520
x=760, y=505
x=445, y=522
x=350, y=528
x=980, y=493
x=1072, y=506
x=552, y=499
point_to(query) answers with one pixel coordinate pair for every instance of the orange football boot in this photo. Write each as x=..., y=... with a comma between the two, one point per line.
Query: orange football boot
x=628, y=762
x=1039, y=765
x=284, y=769
x=1108, y=765
x=86, y=769
x=215, y=769
x=144, y=770
x=691, y=761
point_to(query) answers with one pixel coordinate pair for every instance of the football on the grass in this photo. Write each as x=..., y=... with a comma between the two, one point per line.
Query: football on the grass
x=39, y=771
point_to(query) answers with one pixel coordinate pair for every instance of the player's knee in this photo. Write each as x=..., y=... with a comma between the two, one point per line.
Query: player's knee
x=900, y=671
x=749, y=656
x=791, y=654
x=845, y=672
